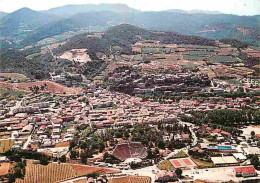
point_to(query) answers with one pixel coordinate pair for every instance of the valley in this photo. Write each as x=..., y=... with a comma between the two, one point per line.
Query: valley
x=90, y=94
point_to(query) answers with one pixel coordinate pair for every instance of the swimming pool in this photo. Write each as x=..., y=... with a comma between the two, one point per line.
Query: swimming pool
x=224, y=147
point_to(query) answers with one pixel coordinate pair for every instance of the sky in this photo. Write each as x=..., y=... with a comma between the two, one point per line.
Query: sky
x=239, y=7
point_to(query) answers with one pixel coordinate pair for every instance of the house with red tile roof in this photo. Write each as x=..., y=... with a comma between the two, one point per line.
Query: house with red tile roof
x=246, y=171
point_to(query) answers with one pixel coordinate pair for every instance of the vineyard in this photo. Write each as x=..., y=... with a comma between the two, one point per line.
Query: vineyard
x=83, y=170
x=47, y=174
x=55, y=172
x=130, y=179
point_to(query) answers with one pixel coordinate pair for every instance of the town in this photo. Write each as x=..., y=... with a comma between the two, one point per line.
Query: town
x=165, y=113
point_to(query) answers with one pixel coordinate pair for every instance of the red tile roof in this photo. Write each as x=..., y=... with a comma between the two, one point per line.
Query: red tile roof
x=216, y=131
x=225, y=133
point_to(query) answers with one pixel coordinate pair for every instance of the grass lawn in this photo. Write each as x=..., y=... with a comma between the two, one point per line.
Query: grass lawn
x=14, y=76
x=180, y=154
x=193, y=57
x=166, y=165
x=11, y=93
x=202, y=164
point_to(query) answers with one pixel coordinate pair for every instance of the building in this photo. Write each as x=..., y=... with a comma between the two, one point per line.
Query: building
x=224, y=161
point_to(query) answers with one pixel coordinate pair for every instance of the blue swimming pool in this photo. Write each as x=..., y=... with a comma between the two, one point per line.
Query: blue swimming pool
x=224, y=147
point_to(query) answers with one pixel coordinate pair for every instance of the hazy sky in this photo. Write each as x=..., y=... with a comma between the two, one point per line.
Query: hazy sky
x=240, y=7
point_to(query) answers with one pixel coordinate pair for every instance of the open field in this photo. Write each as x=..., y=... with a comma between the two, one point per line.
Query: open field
x=9, y=93
x=14, y=76
x=51, y=87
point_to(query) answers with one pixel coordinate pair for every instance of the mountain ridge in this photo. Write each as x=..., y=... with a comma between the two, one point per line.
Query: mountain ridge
x=25, y=26
x=73, y=9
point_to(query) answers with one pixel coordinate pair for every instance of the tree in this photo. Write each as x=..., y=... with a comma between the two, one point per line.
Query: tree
x=42, y=87
x=10, y=177
x=44, y=161
x=36, y=89
x=150, y=154
x=178, y=172
x=83, y=157
x=19, y=170
x=252, y=134
x=105, y=156
x=73, y=154
x=63, y=159
x=160, y=144
x=255, y=161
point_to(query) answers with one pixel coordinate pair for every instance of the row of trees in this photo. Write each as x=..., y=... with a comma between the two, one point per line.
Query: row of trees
x=35, y=88
x=225, y=117
x=18, y=154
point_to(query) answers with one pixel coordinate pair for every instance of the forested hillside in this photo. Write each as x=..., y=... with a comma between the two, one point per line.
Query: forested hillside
x=124, y=36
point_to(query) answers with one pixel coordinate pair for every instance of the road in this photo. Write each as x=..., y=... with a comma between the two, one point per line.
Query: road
x=191, y=126
x=27, y=142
